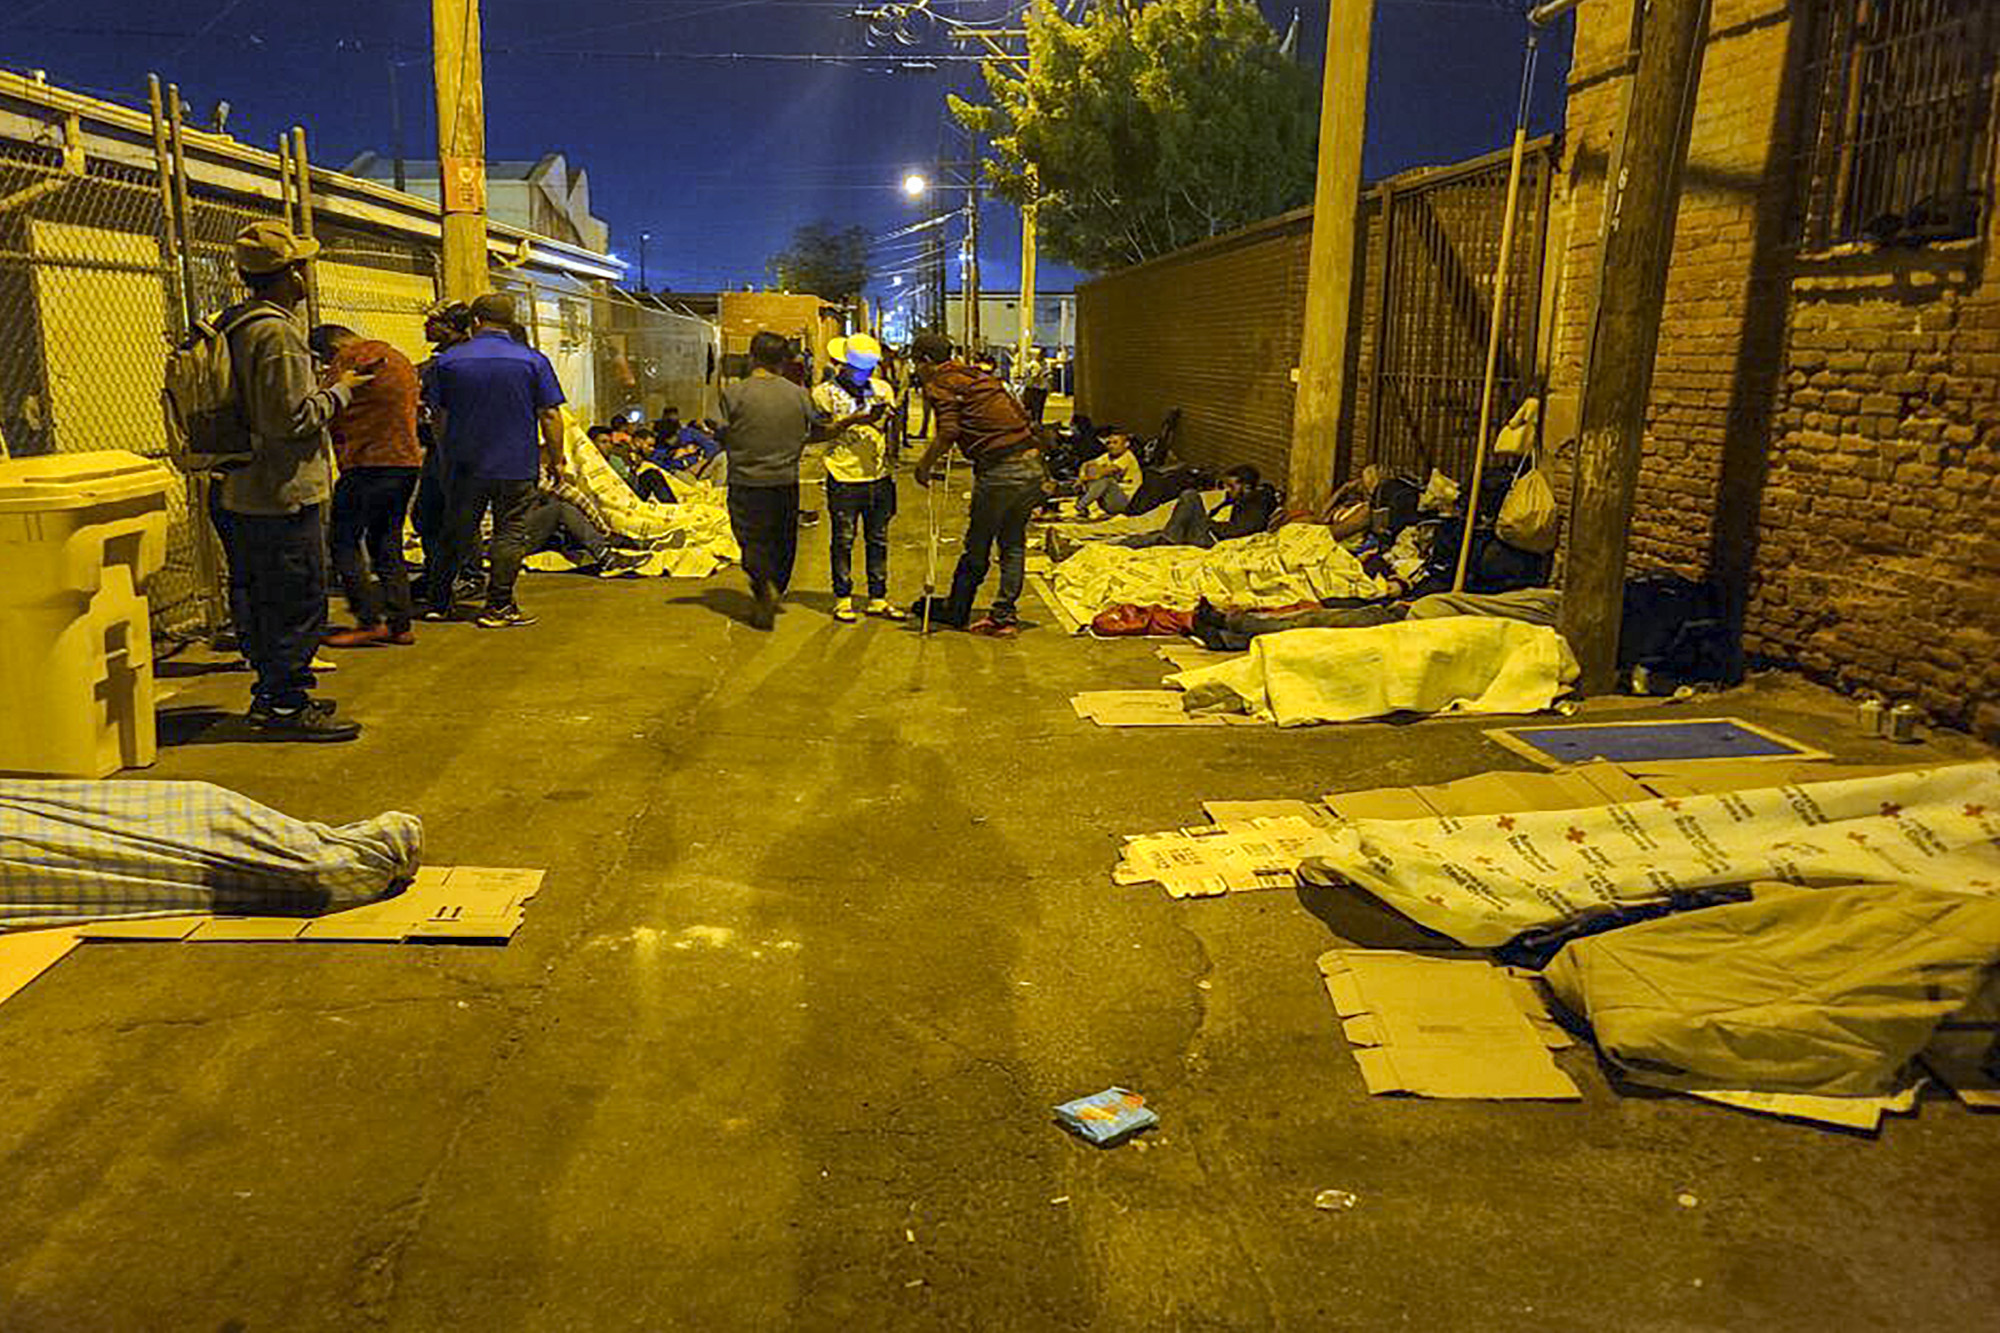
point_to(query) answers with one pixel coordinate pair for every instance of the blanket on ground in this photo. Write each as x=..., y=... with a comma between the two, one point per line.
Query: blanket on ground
x=1483, y=880
x=86, y=851
x=1301, y=563
x=698, y=524
x=1830, y=992
x=1472, y=664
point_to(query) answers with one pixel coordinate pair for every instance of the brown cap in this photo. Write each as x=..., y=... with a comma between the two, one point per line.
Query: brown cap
x=266, y=247
x=493, y=308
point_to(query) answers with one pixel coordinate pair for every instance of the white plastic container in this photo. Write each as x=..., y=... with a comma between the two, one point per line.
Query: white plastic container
x=79, y=536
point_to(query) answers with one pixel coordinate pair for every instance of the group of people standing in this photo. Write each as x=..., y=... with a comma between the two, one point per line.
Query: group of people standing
x=490, y=407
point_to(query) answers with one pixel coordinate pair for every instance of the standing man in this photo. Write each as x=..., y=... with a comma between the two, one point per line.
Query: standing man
x=976, y=414
x=497, y=396
x=859, y=490
x=375, y=443
x=444, y=328
x=1035, y=386
x=767, y=421
x=276, y=501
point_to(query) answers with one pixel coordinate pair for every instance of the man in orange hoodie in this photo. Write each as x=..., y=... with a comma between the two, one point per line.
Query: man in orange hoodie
x=375, y=442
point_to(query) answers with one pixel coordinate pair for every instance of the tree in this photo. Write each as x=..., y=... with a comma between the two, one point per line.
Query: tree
x=1149, y=127
x=825, y=261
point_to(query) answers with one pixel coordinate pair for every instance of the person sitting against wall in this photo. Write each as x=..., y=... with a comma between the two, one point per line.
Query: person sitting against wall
x=1246, y=498
x=1110, y=482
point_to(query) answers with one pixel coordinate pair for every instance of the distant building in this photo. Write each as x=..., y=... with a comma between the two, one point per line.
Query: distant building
x=1000, y=318
x=544, y=197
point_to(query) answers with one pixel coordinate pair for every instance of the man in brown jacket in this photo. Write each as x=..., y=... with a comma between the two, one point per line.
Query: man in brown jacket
x=375, y=442
x=978, y=416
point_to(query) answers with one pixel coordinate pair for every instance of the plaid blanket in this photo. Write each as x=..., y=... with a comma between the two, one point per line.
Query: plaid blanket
x=84, y=851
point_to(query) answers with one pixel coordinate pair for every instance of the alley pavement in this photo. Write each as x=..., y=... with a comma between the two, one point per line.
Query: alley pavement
x=827, y=930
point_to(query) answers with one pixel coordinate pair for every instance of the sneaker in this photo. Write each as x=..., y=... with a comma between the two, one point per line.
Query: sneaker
x=846, y=611
x=361, y=636
x=402, y=638
x=763, y=606
x=507, y=617
x=259, y=709
x=304, y=724
x=321, y=664
x=452, y=616
x=617, y=564
x=887, y=609
x=988, y=628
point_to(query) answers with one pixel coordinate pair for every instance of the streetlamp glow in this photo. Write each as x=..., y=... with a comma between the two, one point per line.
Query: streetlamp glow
x=914, y=185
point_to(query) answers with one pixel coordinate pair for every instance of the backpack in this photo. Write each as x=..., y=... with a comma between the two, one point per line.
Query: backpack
x=205, y=425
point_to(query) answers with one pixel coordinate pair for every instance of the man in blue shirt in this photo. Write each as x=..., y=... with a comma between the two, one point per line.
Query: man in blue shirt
x=496, y=396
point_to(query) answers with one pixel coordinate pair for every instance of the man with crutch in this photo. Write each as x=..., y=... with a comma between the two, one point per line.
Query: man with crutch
x=976, y=414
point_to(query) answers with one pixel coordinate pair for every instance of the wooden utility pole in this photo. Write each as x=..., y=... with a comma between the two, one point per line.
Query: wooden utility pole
x=1029, y=256
x=972, y=338
x=461, y=122
x=1322, y=391
x=1641, y=200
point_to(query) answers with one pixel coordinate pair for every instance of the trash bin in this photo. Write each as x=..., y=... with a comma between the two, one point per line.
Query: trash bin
x=79, y=536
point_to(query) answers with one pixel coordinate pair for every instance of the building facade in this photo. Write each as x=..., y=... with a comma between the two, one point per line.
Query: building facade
x=1823, y=435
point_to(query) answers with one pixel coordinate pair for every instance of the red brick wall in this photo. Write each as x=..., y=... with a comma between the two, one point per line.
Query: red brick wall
x=1824, y=429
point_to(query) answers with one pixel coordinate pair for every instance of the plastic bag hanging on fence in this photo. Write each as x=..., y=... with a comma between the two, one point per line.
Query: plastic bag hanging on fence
x=1528, y=516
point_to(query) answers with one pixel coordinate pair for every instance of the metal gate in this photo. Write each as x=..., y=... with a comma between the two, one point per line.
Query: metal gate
x=1439, y=247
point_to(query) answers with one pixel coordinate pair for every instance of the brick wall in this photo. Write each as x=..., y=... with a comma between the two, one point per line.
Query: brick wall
x=1212, y=330
x=1824, y=429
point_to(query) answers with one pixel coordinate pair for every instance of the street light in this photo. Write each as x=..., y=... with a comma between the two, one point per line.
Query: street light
x=644, y=237
x=914, y=184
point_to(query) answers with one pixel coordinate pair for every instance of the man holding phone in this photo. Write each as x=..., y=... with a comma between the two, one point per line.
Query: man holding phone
x=859, y=490
x=375, y=442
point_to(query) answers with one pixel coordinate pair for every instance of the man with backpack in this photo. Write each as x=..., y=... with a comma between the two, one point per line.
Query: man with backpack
x=276, y=495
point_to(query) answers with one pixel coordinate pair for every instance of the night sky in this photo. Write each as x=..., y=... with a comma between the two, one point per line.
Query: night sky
x=718, y=160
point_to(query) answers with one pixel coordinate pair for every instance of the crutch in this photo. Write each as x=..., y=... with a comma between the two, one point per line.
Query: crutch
x=931, y=559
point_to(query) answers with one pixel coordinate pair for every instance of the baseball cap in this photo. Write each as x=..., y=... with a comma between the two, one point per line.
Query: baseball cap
x=860, y=351
x=266, y=247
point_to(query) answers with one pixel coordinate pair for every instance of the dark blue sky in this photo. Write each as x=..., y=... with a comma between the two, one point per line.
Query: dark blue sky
x=719, y=160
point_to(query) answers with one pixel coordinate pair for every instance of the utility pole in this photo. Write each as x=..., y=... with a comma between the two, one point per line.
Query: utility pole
x=1323, y=388
x=1641, y=200
x=461, y=121
x=1028, y=259
x=972, y=338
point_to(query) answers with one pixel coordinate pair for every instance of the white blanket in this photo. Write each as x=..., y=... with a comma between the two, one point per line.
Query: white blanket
x=1299, y=563
x=1472, y=664
x=1483, y=880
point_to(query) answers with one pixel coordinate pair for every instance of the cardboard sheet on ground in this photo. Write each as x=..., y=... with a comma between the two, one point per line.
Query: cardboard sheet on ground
x=1187, y=655
x=1437, y=1027
x=1494, y=793
x=1300, y=563
x=1484, y=879
x=1830, y=992
x=1473, y=664
x=1146, y=708
x=1207, y=861
x=466, y=904
x=26, y=954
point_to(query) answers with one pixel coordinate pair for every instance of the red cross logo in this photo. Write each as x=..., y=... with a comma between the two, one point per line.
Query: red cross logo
x=1974, y=811
x=1890, y=809
x=1671, y=803
x=1574, y=835
x=1507, y=822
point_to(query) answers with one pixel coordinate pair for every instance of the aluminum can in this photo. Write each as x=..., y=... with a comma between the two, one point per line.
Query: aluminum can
x=1869, y=715
x=1903, y=724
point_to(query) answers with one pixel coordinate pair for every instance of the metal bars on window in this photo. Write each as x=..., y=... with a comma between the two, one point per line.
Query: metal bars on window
x=1898, y=133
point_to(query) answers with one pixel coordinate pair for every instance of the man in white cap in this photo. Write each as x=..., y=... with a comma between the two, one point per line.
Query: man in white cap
x=276, y=501
x=859, y=490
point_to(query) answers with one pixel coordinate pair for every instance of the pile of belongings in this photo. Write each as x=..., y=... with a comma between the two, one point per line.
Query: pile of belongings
x=689, y=539
x=1300, y=563
x=1472, y=664
x=74, y=851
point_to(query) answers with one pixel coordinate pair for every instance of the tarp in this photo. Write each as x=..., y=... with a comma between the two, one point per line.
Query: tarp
x=1299, y=563
x=1831, y=992
x=85, y=851
x=1472, y=664
x=1485, y=879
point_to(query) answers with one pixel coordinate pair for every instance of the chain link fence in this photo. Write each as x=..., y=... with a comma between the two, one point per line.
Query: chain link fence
x=87, y=289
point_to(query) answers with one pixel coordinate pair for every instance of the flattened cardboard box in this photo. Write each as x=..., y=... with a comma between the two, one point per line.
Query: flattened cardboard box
x=1209, y=860
x=1439, y=1027
x=1496, y=793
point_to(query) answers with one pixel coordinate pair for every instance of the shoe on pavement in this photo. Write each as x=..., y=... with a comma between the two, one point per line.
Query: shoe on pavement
x=403, y=637
x=616, y=564
x=321, y=664
x=986, y=627
x=507, y=617
x=310, y=723
x=887, y=609
x=260, y=709
x=361, y=636
x=846, y=611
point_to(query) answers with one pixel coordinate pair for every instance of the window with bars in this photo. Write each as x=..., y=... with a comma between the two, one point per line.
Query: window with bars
x=1898, y=130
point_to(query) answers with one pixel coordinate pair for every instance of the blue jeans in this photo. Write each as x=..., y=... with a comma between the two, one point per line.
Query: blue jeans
x=283, y=558
x=1004, y=497
x=868, y=505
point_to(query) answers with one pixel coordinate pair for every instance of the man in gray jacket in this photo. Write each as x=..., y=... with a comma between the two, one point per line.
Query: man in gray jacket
x=276, y=501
